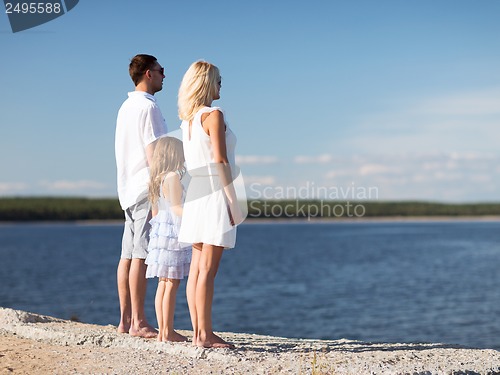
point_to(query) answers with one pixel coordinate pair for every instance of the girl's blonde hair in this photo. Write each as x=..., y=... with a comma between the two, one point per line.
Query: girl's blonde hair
x=168, y=156
x=198, y=88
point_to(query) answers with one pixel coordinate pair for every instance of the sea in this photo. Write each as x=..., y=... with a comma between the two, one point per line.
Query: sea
x=374, y=281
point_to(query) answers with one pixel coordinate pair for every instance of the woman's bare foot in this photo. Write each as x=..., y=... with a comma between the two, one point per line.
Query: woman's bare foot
x=214, y=341
x=175, y=337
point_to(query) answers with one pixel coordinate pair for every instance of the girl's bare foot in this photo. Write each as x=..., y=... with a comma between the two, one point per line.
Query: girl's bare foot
x=124, y=325
x=214, y=341
x=123, y=328
x=175, y=337
x=146, y=332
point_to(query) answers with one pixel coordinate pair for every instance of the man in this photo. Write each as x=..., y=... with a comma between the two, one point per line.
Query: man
x=138, y=126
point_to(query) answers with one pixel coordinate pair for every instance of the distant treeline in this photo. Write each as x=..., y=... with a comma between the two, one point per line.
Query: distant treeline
x=356, y=209
x=59, y=209
x=72, y=209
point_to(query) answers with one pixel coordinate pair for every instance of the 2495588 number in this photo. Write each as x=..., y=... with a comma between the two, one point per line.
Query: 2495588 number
x=38, y=8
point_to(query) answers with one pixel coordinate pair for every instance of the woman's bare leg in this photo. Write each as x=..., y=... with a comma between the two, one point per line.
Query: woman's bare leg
x=208, y=266
x=191, y=289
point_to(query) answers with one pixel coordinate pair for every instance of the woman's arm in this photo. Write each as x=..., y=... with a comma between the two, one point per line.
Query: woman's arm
x=215, y=127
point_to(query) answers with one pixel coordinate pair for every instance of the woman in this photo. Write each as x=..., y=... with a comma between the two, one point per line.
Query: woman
x=211, y=209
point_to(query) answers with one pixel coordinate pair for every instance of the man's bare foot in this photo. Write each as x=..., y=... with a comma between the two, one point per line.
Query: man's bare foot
x=175, y=337
x=146, y=332
x=214, y=341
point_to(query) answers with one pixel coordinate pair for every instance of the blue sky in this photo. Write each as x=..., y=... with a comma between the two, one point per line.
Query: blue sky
x=401, y=96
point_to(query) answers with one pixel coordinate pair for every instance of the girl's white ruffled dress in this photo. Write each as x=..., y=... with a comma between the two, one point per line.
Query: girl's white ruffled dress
x=167, y=257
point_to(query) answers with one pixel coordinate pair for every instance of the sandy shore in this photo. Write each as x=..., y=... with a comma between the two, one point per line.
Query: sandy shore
x=36, y=344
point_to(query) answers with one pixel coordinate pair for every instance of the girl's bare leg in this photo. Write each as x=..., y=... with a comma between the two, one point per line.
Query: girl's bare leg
x=191, y=289
x=160, y=291
x=208, y=266
x=168, y=334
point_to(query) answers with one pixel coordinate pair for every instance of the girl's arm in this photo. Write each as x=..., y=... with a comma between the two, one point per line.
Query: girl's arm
x=215, y=127
x=173, y=190
x=154, y=210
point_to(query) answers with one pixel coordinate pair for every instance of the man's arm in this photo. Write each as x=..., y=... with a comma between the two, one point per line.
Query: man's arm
x=150, y=149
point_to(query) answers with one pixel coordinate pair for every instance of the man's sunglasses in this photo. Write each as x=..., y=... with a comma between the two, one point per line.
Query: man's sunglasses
x=161, y=70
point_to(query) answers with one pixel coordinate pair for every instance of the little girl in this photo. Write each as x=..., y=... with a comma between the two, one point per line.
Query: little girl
x=167, y=259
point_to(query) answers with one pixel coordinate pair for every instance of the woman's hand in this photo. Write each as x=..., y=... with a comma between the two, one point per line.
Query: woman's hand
x=235, y=214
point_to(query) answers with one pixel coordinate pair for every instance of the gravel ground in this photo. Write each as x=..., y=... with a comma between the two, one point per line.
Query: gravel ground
x=36, y=344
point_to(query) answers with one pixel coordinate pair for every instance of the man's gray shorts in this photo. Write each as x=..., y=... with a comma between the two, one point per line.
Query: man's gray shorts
x=136, y=232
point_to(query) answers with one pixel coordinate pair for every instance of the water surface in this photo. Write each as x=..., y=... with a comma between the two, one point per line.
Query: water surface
x=371, y=281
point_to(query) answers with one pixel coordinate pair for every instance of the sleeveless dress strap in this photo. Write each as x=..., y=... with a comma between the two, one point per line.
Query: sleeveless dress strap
x=197, y=117
x=207, y=109
x=204, y=110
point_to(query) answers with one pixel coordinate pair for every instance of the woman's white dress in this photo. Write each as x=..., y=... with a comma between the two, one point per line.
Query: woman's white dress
x=206, y=216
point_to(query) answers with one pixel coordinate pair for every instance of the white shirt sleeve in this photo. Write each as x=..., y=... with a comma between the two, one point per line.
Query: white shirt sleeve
x=155, y=126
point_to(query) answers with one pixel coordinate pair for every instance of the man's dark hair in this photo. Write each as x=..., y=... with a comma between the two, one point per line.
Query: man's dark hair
x=139, y=65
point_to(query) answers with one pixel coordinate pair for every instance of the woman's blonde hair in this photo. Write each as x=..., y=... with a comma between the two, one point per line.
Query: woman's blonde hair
x=198, y=88
x=168, y=156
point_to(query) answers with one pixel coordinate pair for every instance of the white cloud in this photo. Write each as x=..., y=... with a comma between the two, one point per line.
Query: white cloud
x=375, y=169
x=463, y=122
x=471, y=156
x=260, y=180
x=255, y=185
x=72, y=186
x=431, y=166
x=11, y=188
x=337, y=173
x=319, y=159
x=485, y=102
x=255, y=159
x=481, y=178
x=447, y=176
x=433, y=176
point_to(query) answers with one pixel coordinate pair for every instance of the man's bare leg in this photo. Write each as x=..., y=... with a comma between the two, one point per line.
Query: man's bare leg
x=122, y=275
x=138, y=283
